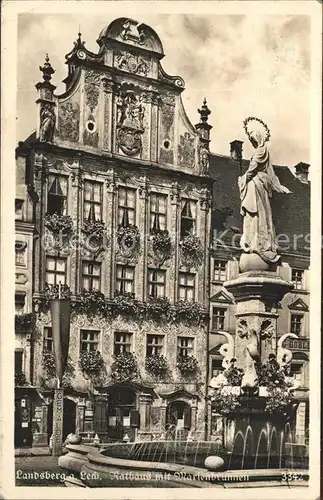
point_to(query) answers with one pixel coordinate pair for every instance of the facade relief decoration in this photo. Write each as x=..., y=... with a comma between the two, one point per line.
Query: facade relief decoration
x=186, y=150
x=92, y=92
x=47, y=123
x=130, y=120
x=69, y=121
x=204, y=159
x=167, y=110
x=130, y=32
x=132, y=63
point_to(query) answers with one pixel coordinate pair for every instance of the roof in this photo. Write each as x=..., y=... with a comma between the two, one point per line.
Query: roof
x=291, y=213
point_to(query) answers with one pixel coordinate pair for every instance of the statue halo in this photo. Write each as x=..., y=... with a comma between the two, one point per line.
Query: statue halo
x=253, y=118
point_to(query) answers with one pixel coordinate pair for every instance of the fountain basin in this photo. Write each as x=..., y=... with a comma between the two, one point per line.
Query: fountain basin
x=97, y=470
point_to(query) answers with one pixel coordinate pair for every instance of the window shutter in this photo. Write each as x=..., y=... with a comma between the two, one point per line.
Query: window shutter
x=100, y=416
x=187, y=417
x=135, y=418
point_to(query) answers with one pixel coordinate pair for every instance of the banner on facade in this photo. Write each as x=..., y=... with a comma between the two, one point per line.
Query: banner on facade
x=60, y=311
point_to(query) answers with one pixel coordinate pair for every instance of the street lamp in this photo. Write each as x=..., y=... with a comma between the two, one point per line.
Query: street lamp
x=60, y=309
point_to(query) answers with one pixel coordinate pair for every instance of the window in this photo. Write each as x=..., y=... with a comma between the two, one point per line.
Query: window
x=55, y=270
x=20, y=298
x=19, y=209
x=218, y=318
x=57, y=195
x=126, y=206
x=48, y=339
x=91, y=275
x=188, y=218
x=155, y=345
x=156, y=283
x=216, y=366
x=186, y=286
x=122, y=342
x=125, y=279
x=92, y=201
x=158, y=212
x=220, y=270
x=20, y=251
x=89, y=340
x=296, y=371
x=185, y=346
x=18, y=360
x=298, y=279
x=296, y=321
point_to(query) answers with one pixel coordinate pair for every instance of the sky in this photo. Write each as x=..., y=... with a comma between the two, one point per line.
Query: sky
x=245, y=65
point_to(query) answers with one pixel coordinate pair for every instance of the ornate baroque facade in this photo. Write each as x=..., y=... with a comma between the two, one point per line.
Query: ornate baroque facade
x=116, y=153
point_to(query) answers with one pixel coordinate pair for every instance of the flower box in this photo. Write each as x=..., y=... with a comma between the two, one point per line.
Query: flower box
x=263, y=391
x=57, y=223
x=234, y=390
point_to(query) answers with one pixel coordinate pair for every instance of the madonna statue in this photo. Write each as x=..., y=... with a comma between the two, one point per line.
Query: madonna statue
x=256, y=187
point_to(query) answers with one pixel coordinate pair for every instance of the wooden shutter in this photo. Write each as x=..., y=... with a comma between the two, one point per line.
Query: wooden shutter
x=134, y=418
x=100, y=416
x=187, y=417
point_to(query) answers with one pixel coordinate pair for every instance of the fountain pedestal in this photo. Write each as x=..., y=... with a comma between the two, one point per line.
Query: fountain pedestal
x=257, y=295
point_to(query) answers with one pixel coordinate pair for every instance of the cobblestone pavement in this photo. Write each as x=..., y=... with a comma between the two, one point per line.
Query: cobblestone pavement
x=39, y=471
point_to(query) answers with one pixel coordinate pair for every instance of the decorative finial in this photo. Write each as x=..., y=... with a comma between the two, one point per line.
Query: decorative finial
x=47, y=70
x=204, y=112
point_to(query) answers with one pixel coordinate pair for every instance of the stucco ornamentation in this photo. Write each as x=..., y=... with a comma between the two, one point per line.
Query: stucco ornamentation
x=131, y=63
x=186, y=150
x=69, y=121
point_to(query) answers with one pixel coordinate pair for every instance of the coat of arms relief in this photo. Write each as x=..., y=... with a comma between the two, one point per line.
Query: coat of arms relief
x=130, y=120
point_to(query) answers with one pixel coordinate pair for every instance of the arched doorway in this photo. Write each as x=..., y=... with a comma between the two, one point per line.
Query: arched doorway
x=69, y=418
x=178, y=420
x=123, y=416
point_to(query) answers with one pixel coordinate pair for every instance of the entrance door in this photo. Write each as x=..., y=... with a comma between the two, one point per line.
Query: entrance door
x=121, y=408
x=178, y=420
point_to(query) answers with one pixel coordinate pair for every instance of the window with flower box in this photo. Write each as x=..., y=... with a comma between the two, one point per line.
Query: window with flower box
x=48, y=338
x=126, y=206
x=156, y=282
x=218, y=318
x=89, y=340
x=57, y=195
x=55, y=270
x=186, y=286
x=122, y=342
x=92, y=201
x=219, y=270
x=188, y=217
x=91, y=275
x=158, y=210
x=298, y=279
x=125, y=282
x=296, y=323
x=185, y=346
x=155, y=345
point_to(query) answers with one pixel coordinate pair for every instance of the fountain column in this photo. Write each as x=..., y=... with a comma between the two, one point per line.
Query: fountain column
x=257, y=295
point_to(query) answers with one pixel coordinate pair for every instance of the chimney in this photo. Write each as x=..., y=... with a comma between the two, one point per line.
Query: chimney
x=236, y=150
x=301, y=171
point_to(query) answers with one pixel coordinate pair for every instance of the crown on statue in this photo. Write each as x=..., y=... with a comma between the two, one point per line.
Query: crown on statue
x=247, y=126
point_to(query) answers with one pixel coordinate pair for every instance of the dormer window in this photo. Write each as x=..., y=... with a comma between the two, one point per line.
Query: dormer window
x=188, y=218
x=57, y=195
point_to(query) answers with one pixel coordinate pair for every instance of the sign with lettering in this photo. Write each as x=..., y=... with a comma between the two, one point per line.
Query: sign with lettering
x=58, y=422
x=297, y=344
